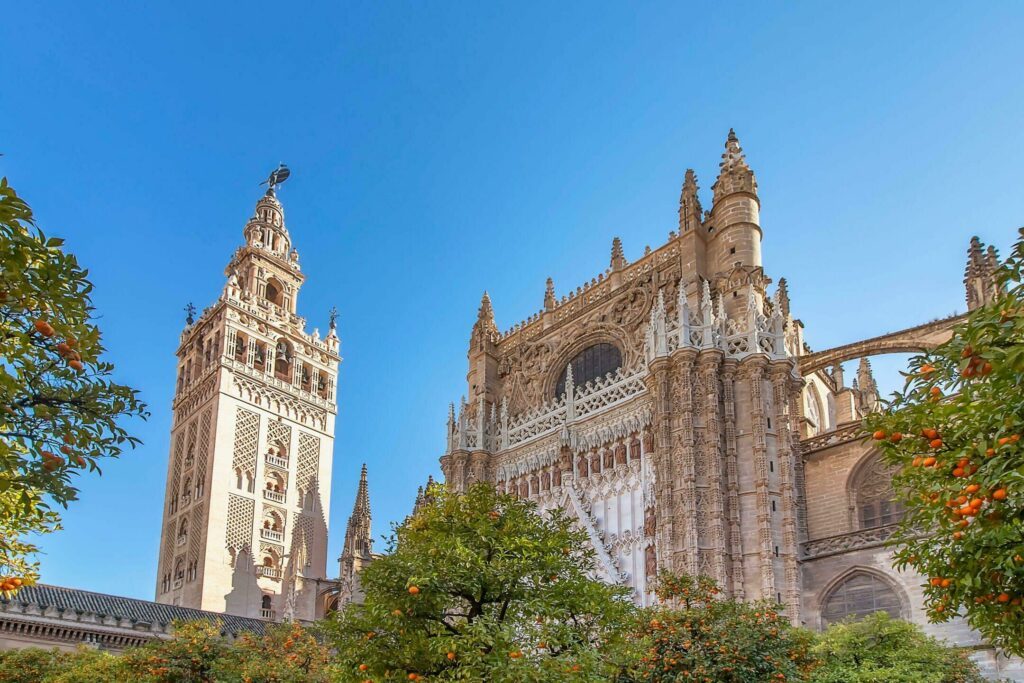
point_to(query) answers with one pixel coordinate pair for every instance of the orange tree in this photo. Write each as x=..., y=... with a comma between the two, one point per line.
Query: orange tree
x=481, y=587
x=59, y=410
x=695, y=635
x=955, y=431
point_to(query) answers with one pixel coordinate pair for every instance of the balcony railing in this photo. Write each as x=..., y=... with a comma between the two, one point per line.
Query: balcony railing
x=268, y=572
x=272, y=535
x=276, y=496
x=268, y=614
x=276, y=461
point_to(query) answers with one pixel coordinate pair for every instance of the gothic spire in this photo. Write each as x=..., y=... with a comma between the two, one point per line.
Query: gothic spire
x=549, y=295
x=618, y=256
x=980, y=274
x=734, y=174
x=689, y=203
x=484, y=328
x=357, y=536
x=782, y=296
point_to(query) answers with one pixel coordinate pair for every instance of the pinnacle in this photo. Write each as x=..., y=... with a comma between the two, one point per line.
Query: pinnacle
x=549, y=295
x=732, y=136
x=618, y=255
x=486, y=311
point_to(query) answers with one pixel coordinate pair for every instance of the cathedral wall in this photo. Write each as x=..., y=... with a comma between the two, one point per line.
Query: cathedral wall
x=827, y=473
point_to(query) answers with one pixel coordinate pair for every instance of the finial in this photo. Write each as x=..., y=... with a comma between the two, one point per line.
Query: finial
x=618, y=256
x=332, y=318
x=689, y=203
x=732, y=136
x=782, y=296
x=190, y=313
x=549, y=295
x=486, y=311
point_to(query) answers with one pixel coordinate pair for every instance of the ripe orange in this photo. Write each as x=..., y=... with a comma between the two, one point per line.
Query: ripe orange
x=451, y=655
x=999, y=494
x=1003, y=597
x=44, y=328
x=986, y=368
x=414, y=590
x=936, y=443
x=929, y=433
x=990, y=452
x=896, y=437
x=76, y=365
x=879, y=435
x=967, y=352
x=958, y=472
x=363, y=667
x=972, y=488
x=928, y=462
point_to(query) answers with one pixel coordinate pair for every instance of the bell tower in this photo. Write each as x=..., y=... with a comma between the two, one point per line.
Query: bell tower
x=248, y=478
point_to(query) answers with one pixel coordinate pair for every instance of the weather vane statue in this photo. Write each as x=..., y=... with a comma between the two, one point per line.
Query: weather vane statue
x=333, y=317
x=277, y=176
x=190, y=313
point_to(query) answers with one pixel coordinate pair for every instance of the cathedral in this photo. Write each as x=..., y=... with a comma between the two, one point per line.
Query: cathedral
x=672, y=405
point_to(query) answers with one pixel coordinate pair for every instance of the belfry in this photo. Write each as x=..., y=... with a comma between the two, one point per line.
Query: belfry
x=248, y=481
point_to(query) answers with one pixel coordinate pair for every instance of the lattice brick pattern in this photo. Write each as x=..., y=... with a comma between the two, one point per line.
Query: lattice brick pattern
x=239, y=526
x=247, y=431
x=279, y=432
x=168, y=552
x=204, y=445
x=190, y=449
x=309, y=461
x=179, y=446
x=196, y=532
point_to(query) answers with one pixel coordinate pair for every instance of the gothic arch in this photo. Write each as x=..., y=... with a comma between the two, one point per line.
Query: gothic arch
x=608, y=335
x=815, y=409
x=889, y=595
x=871, y=499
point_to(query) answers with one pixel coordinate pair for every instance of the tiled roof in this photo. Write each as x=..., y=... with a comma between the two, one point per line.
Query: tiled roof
x=139, y=611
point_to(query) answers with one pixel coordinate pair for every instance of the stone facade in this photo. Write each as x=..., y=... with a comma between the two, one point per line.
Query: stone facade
x=672, y=405
x=248, y=482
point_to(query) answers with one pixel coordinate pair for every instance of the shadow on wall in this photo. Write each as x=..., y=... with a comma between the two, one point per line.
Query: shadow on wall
x=244, y=598
x=307, y=559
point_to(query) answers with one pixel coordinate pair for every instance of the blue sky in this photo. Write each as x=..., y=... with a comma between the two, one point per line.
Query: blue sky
x=439, y=149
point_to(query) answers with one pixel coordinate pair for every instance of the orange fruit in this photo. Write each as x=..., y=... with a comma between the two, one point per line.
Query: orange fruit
x=999, y=494
x=936, y=443
x=363, y=667
x=879, y=435
x=451, y=655
x=896, y=437
x=928, y=462
x=44, y=328
x=414, y=590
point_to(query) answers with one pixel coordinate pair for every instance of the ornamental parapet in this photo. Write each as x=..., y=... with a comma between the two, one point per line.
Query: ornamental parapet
x=842, y=434
x=855, y=540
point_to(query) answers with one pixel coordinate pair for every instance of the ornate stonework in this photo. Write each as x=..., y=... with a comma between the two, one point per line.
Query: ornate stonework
x=712, y=440
x=252, y=437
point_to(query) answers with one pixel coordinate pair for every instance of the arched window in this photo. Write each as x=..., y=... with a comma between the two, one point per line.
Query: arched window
x=265, y=603
x=857, y=596
x=275, y=292
x=591, y=363
x=876, y=502
x=283, y=361
x=812, y=404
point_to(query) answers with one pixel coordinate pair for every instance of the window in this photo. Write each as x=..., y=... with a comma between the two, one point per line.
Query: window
x=592, y=363
x=857, y=596
x=275, y=292
x=875, y=499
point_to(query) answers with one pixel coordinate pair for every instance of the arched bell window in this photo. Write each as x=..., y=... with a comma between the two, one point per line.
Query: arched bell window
x=275, y=292
x=859, y=595
x=593, y=362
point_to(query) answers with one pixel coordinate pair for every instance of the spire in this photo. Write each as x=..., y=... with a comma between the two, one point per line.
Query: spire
x=980, y=274
x=485, y=329
x=865, y=384
x=782, y=297
x=549, y=295
x=689, y=203
x=618, y=257
x=358, y=543
x=734, y=174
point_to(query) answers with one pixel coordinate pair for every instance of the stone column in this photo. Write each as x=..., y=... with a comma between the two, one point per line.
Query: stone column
x=732, y=481
x=712, y=456
x=753, y=370
x=659, y=384
x=684, y=458
x=781, y=377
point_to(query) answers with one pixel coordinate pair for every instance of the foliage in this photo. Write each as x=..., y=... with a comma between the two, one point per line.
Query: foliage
x=481, y=587
x=697, y=636
x=955, y=433
x=197, y=653
x=880, y=649
x=35, y=665
x=59, y=410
